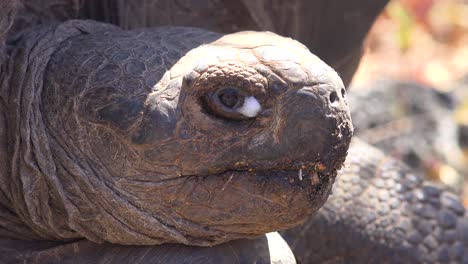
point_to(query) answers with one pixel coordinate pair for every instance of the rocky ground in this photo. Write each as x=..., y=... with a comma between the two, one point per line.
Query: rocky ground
x=417, y=124
x=410, y=94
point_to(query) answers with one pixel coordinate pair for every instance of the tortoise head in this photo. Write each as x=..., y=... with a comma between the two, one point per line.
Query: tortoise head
x=247, y=101
x=196, y=143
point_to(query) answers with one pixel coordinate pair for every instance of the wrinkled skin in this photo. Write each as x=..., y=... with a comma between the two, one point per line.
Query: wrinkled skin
x=100, y=130
x=334, y=30
x=382, y=212
x=142, y=156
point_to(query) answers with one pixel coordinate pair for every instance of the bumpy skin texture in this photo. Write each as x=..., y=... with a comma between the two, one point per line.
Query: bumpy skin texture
x=322, y=25
x=61, y=102
x=334, y=30
x=115, y=136
x=380, y=212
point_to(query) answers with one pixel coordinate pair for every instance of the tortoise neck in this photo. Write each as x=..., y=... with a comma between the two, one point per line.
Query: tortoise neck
x=30, y=188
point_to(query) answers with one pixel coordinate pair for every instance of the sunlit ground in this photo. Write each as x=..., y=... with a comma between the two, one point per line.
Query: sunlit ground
x=424, y=41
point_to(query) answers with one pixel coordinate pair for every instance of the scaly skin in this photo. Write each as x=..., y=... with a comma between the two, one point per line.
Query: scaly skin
x=380, y=212
x=117, y=136
x=332, y=29
x=349, y=215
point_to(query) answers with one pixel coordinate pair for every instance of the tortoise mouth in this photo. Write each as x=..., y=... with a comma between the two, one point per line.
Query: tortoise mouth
x=302, y=170
x=309, y=180
x=243, y=203
x=296, y=172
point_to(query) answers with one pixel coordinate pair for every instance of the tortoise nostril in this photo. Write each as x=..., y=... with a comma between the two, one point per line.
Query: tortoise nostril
x=343, y=92
x=334, y=97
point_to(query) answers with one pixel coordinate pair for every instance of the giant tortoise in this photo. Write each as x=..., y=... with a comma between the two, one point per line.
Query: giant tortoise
x=135, y=140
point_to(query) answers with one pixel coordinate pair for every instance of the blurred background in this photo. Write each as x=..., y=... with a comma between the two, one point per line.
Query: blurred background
x=428, y=37
x=416, y=62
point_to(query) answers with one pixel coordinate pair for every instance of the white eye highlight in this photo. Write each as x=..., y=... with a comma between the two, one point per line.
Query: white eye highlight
x=251, y=107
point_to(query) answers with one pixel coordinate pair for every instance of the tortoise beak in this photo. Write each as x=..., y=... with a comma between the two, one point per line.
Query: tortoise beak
x=315, y=118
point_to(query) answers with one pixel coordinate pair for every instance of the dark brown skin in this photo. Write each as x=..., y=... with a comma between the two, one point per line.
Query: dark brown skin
x=334, y=30
x=117, y=176
x=145, y=155
x=382, y=212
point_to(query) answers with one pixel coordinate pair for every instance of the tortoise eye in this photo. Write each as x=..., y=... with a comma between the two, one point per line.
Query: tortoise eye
x=232, y=103
x=230, y=97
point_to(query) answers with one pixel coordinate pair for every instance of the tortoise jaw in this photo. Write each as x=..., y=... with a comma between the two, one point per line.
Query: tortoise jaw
x=306, y=178
x=246, y=203
x=301, y=170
